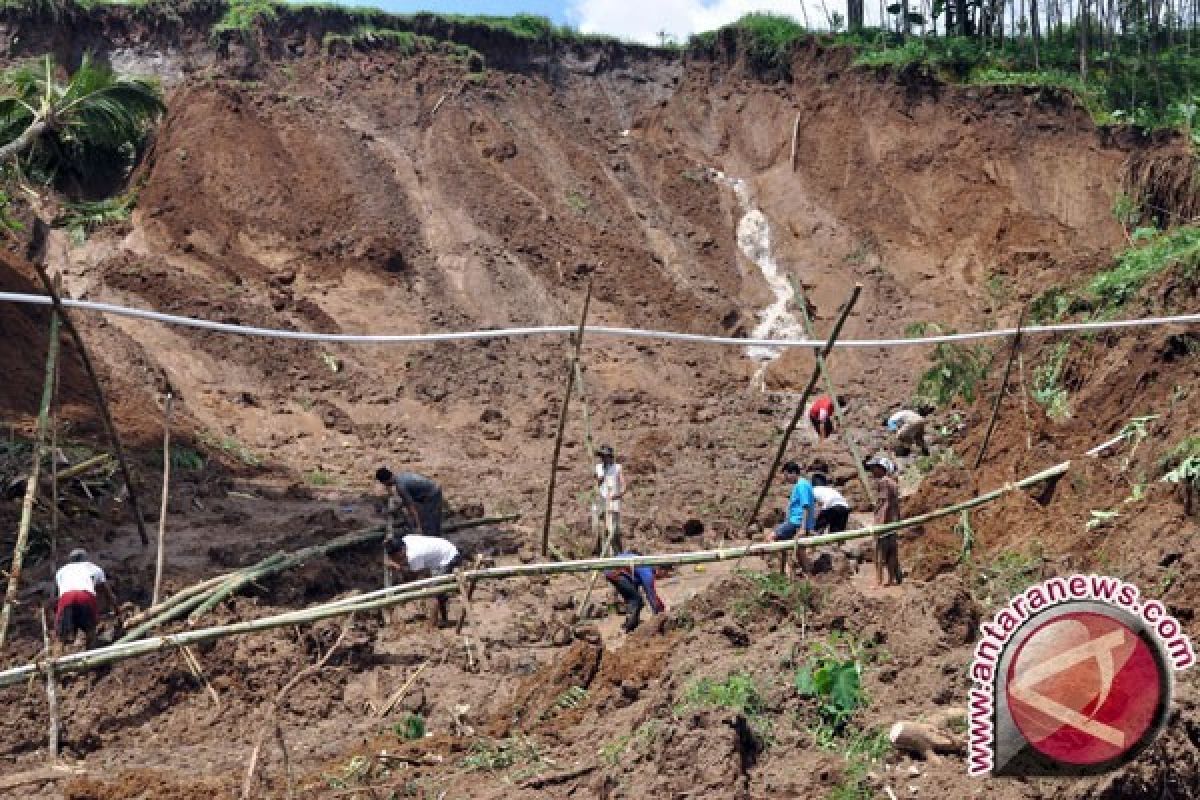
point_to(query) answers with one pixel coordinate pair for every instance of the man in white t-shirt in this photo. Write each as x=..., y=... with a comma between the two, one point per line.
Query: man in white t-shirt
x=610, y=488
x=909, y=427
x=418, y=556
x=833, y=512
x=78, y=610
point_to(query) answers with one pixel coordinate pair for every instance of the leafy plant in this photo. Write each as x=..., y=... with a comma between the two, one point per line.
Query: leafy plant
x=773, y=589
x=1177, y=249
x=497, y=755
x=411, y=727
x=956, y=372
x=232, y=446
x=738, y=692
x=834, y=679
x=317, y=477
x=573, y=697
x=241, y=16
x=1010, y=572
x=1048, y=391
x=82, y=218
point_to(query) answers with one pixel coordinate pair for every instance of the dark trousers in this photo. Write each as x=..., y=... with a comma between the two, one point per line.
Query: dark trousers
x=834, y=519
x=632, y=595
x=429, y=508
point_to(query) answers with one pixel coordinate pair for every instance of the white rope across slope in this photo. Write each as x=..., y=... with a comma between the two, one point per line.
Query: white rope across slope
x=594, y=330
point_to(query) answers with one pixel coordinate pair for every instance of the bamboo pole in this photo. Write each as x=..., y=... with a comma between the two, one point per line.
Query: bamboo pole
x=22, y=543
x=590, y=449
x=162, y=509
x=1012, y=354
x=82, y=467
x=562, y=419
x=20, y=265
x=831, y=390
x=55, y=410
x=431, y=587
x=812, y=382
x=51, y=691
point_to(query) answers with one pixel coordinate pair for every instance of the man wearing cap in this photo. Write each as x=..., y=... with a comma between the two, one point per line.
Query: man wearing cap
x=418, y=556
x=801, y=516
x=610, y=487
x=887, y=509
x=420, y=496
x=78, y=610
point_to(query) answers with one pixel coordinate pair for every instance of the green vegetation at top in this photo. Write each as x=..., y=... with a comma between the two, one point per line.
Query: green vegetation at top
x=766, y=39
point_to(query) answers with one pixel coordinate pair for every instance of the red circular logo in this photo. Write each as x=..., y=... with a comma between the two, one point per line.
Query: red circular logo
x=1084, y=688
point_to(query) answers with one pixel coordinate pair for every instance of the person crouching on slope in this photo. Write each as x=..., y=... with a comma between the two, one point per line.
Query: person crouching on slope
x=77, y=582
x=418, y=556
x=800, y=520
x=630, y=583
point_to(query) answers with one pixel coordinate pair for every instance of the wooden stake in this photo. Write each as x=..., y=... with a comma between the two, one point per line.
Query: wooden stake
x=399, y=694
x=431, y=587
x=39, y=452
x=562, y=419
x=162, y=510
x=56, y=409
x=51, y=691
x=831, y=390
x=795, y=137
x=796, y=416
x=590, y=450
x=1012, y=354
x=1024, y=400
x=19, y=265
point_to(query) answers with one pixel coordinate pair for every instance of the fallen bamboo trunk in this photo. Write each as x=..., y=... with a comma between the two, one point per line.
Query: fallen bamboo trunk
x=431, y=587
x=51, y=692
x=799, y=412
x=31, y=486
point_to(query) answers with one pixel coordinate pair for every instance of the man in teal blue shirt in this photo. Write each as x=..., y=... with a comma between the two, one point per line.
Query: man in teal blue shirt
x=801, y=516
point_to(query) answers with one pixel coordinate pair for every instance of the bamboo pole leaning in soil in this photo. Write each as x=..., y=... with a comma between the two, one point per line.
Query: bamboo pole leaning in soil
x=431, y=587
x=562, y=418
x=55, y=410
x=1012, y=354
x=20, y=265
x=51, y=691
x=831, y=390
x=162, y=509
x=812, y=382
x=31, y=486
x=795, y=138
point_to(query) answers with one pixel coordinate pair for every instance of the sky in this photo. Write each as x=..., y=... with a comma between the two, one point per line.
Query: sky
x=638, y=20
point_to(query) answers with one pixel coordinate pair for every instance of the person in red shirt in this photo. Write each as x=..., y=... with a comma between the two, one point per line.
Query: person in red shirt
x=821, y=414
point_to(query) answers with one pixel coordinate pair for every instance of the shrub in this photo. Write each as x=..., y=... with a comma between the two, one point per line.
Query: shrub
x=956, y=372
x=1177, y=249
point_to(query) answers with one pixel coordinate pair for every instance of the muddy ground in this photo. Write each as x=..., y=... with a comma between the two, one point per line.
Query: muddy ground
x=373, y=191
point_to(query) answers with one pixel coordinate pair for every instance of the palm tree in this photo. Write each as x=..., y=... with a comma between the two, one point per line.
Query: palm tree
x=95, y=112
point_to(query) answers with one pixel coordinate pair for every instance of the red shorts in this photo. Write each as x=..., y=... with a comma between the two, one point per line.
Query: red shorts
x=77, y=611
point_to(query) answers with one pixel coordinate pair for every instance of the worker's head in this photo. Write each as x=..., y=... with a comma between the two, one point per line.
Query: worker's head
x=819, y=479
x=606, y=453
x=77, y=555
x=394, y=546
x=383, y=475
x=790, y=471
x=876, y=466
x=842, y=401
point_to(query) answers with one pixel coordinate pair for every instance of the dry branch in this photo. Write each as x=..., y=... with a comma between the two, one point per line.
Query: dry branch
x=18, y=558
x=431, y=587
x=1012, y=354
x=162, y=511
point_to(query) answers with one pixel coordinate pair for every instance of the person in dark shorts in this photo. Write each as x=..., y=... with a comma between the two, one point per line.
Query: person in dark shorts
x=420, y=496
x=417, y=556
x=801, y=516
x=78, y=610
x=833, y=512
x=630, y=583
x=887, y=509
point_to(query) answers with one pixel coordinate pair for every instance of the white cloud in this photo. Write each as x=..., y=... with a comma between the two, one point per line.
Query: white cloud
x=641, y=20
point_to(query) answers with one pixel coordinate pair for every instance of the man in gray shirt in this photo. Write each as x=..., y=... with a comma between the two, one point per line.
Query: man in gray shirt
x=421, y=497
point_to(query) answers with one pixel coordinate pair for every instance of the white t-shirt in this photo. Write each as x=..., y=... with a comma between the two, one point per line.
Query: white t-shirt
x=610, y=485
x=829, y=497
x=79, y=576
x=903, y=417
x=429, y=552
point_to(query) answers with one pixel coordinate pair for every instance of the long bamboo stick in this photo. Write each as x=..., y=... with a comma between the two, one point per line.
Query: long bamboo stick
x=20, y=265
x=431, y=587
x=562, y=419
x=31, y=486
x=162, y=509
x=51, y=692
x=812, y=382
x=831, y=390
x=55, y=410
x=1012, y=354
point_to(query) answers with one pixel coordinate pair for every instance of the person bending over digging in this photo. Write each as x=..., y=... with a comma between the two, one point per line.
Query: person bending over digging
x=630, y=583
x=78, y=610
x=417, y=556
x=909, y=427
x=833, y=512
x=421, y=498
x=801, y=516
x=821, y=415
x=887, y=509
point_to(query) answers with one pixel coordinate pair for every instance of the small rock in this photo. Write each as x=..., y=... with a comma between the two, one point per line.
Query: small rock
x=914, y=771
